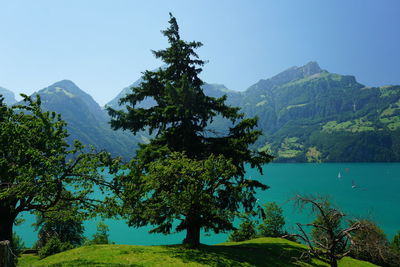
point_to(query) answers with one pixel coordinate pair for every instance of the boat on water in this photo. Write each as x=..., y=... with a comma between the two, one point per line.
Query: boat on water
x=339, y=175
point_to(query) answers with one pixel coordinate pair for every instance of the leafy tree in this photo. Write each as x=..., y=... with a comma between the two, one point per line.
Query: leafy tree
x=396, y=241
x=179, y=120
x=273, y=221
x=329, y=241
x=53, y=246
x=101, y=235
x=66, y=225
x=246, y=231
x=37, y=165
x=370, y=244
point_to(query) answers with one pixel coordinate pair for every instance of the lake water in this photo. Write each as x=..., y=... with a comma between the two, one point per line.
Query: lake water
x=376, y=197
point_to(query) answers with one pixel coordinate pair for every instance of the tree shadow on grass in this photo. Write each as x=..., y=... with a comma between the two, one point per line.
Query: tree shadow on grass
x=257, y=254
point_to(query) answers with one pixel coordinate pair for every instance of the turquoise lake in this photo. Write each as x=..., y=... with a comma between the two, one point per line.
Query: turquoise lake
x=376, y=197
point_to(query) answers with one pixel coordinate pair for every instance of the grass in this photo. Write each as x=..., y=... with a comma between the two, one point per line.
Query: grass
x=256, y=252
x=354, y=126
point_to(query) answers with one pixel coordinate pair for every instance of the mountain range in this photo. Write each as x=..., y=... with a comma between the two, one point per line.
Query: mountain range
x=307, y=114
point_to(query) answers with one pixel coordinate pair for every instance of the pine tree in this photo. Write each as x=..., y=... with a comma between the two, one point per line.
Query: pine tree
x=179, y=122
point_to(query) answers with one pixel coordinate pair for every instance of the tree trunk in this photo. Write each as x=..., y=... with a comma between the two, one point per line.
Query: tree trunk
x=192, y=236
x=6, y=257
x=333, y=263
x=6, y=227
x=6, y=231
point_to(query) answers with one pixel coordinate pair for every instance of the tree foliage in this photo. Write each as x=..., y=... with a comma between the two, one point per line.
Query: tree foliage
x=66, y=225
x=246, y=231
x=101, y=235
x=273, y=222
x=371, y=244
x=396, y=242
x=179, y=120
x=38, y=168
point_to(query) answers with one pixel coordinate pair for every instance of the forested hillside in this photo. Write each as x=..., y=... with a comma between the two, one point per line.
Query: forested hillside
x=86, y=120
x=306, y=114
x=310, y=115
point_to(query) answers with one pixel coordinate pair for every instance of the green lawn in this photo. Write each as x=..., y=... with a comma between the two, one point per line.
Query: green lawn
x=256, y=252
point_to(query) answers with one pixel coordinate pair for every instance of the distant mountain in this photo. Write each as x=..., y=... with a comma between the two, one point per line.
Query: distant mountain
x=309, y=114
x=114, y=103
x=214, y=90
x=9, y=97
x=86, y=120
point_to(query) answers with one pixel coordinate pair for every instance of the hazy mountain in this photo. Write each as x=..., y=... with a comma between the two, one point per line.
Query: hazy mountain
x=86, y=120
x=9, y=97
x=114, y=103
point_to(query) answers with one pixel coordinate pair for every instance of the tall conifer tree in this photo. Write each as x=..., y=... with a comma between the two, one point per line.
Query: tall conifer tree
x=178, y=122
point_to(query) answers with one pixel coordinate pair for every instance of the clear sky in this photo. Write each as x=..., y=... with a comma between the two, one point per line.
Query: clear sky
x=103, y=46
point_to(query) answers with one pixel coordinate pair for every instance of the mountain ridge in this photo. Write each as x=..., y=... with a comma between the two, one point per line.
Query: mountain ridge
x=86, y=120
x=306, y=114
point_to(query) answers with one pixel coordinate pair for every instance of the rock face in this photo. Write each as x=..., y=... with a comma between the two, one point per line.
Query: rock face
x=9, y=97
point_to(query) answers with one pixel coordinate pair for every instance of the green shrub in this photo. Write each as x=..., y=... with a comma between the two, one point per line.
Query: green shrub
x=272, y=225
x=246, y=231
x=371, y=244
x=396, y=242
x=66, y=225
x=17, y=245
x=101, y=236
x=54, y=246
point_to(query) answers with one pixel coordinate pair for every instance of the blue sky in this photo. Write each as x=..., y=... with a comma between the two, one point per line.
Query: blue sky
x=103, y=46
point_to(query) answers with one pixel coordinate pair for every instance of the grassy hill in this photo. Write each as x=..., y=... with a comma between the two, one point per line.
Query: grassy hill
x=256, y=252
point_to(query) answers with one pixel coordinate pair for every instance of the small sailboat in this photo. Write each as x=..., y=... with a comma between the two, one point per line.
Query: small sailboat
x=353, y=184
x=339, y=176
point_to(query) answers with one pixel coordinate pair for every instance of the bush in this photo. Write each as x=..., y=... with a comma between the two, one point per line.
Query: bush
x=67, y=228
x=371, y=244
x=54, y=246
x=101, y=236
x=246, y=231
x=396, y=242
x=272, y=225
x=17, y=245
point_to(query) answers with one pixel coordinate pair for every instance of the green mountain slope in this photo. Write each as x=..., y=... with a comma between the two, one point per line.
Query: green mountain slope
x=9, y=97
x=309, y=114
x=306, y=114
x=86, y=120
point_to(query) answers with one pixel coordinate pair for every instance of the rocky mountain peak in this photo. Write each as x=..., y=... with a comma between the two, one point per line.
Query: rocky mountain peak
x=296, y=73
